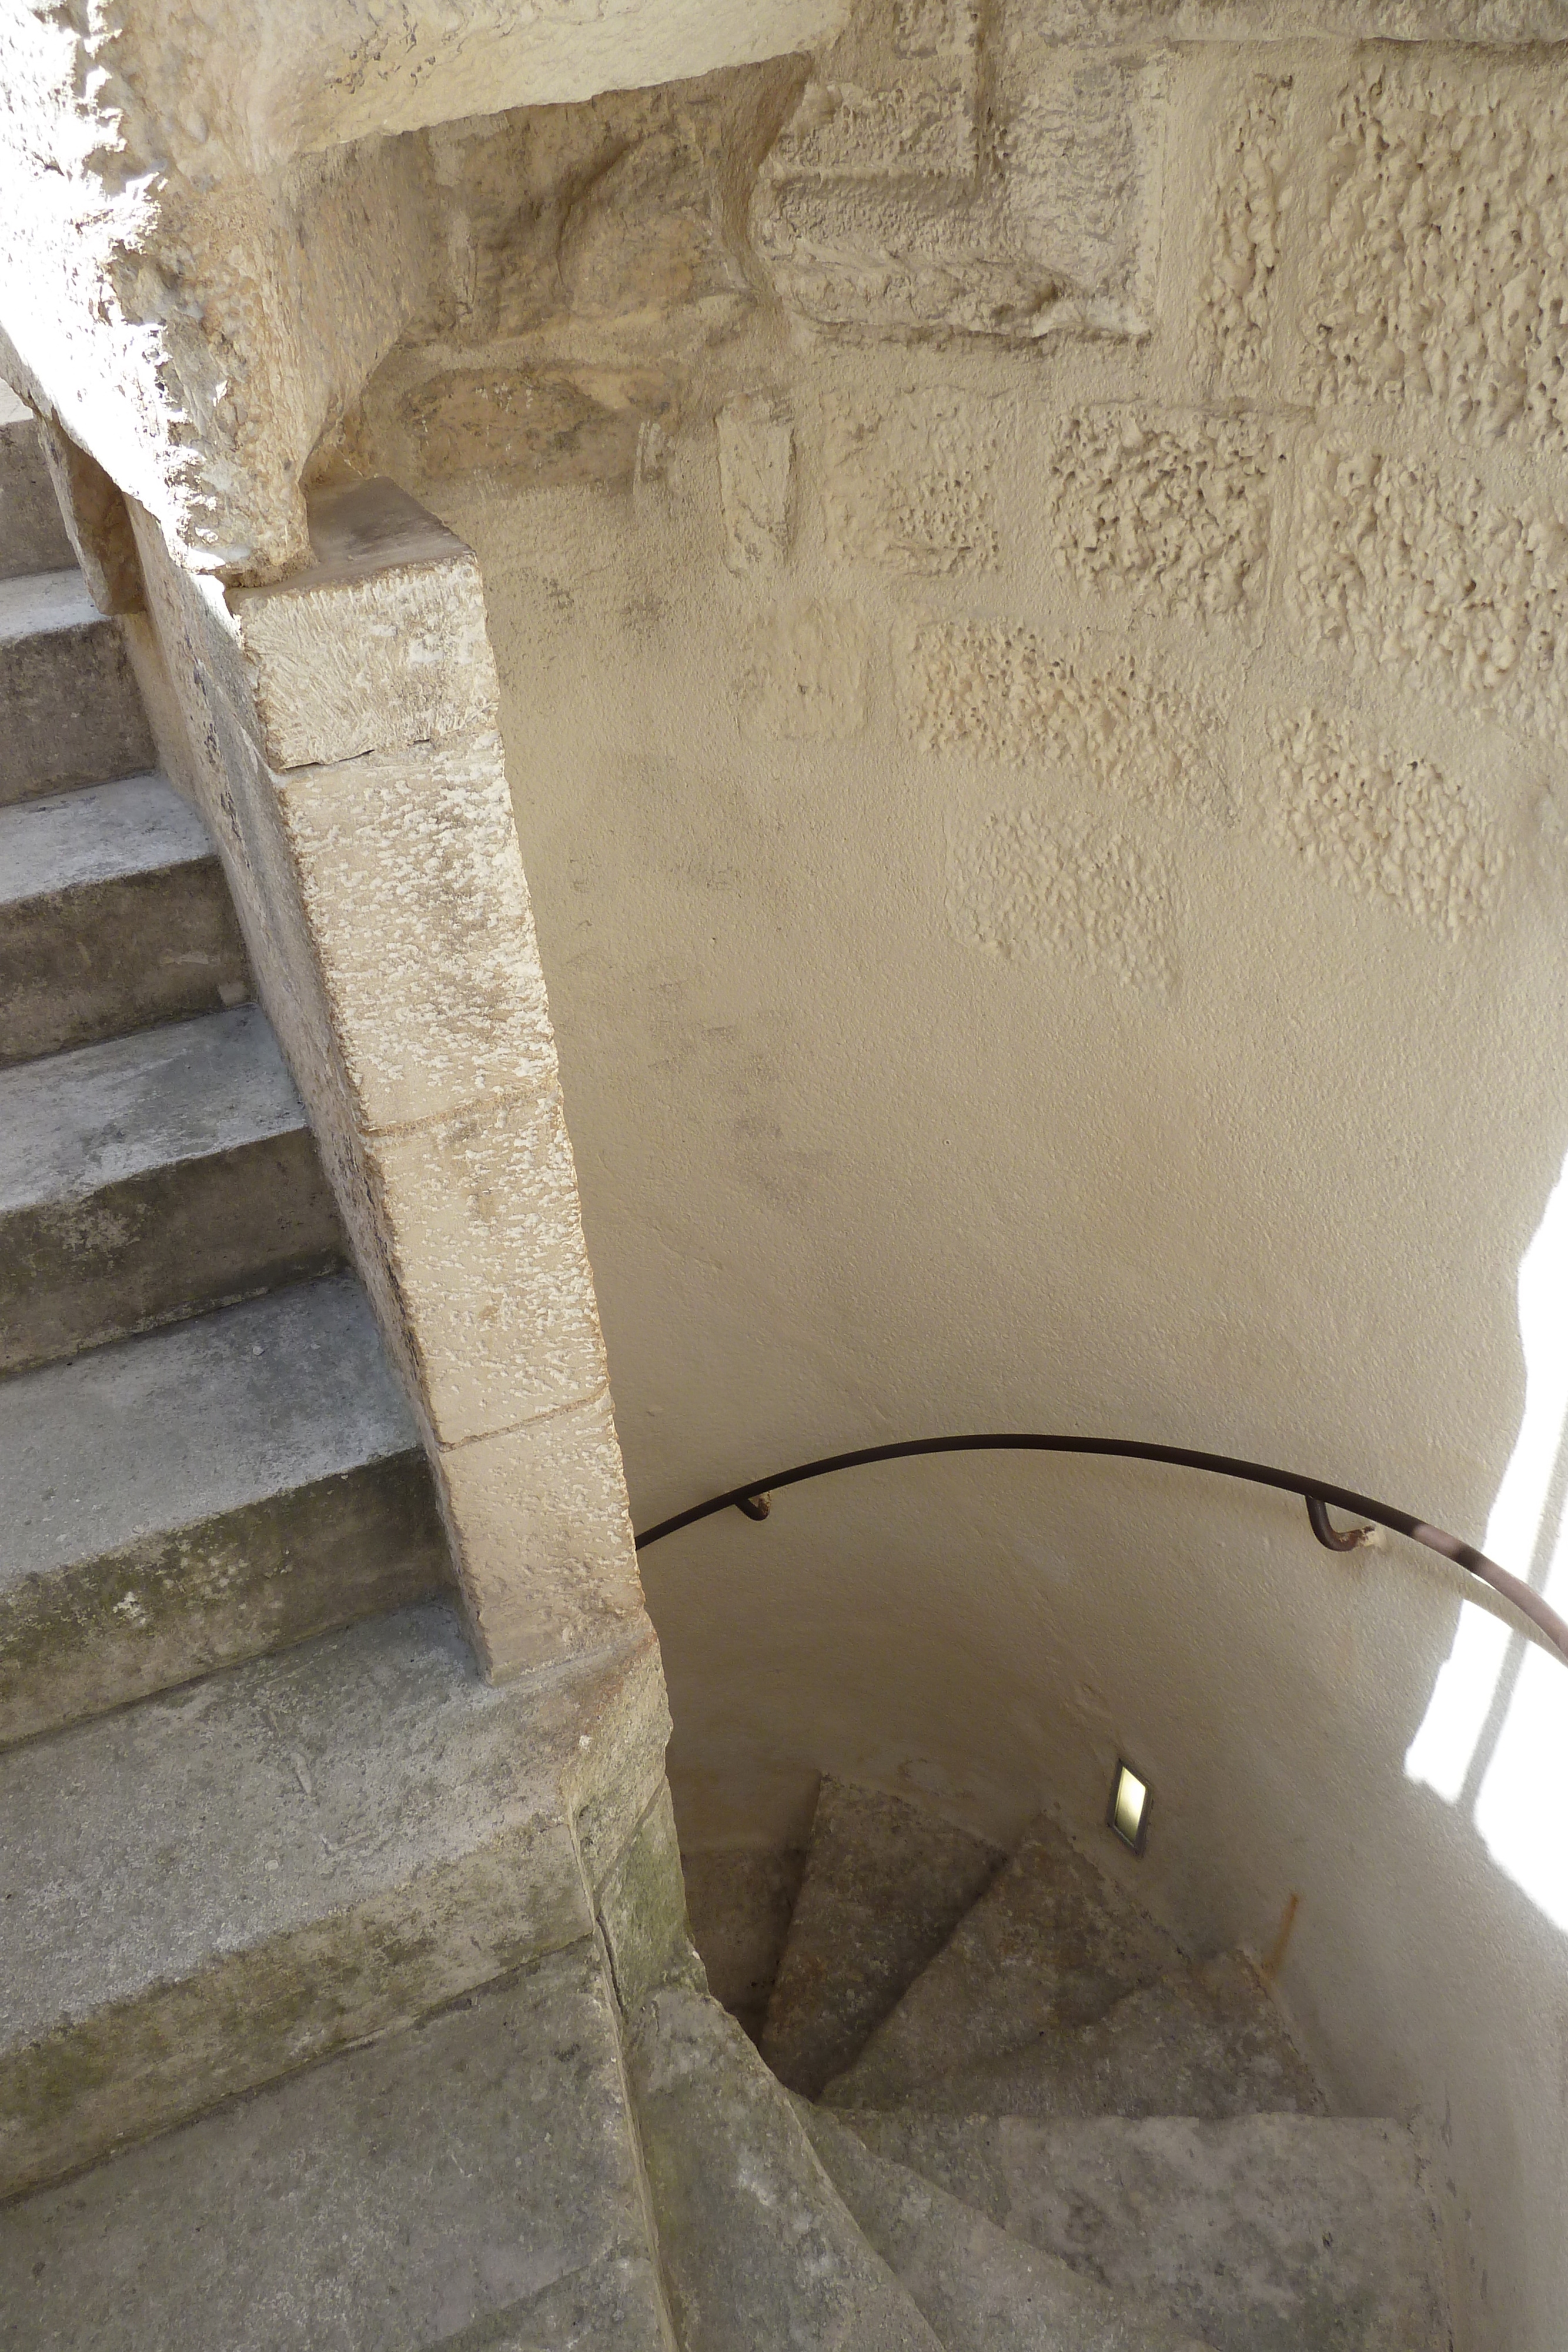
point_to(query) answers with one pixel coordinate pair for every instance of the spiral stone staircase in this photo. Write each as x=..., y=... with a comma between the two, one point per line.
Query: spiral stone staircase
x=348, y=2003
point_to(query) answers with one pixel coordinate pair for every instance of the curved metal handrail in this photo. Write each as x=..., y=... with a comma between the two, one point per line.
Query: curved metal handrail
x=753, y=1500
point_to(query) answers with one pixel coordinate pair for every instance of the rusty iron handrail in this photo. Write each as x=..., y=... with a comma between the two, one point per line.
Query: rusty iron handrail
x=753, y=1500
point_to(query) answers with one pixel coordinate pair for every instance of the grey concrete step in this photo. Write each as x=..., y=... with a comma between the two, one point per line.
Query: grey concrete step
x=114, y=914
x=1206, y=2041
x=1051, y=1942
x=202, y=1892
x=70, y=709
x=1273, y=2233
x=982, y=2289
x=151, y=1178
x=739, y=1899
x=758, y=2247
x=200, y=1494
x=470, y=2183
x=885, y=1883
x=32, y=536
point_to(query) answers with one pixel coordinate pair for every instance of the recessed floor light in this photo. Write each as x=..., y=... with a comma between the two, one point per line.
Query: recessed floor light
x=1129, y=1809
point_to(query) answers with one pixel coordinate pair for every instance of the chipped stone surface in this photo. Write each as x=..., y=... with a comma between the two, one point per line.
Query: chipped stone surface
x=757, y=2247
x=1239, y=291
x=1002, y=692
x=413, y=886
x=886, y=1882
x=1028, y=882
x=1050, y=1942
x=1173, y=511
x=1415, y=572
x=982, y=2289
x=1383, y=825
x=1278, y=2233
x=756, y=465
x=1207, y=2042
x=913, y=487
x=807, y=679
x=1439, y=269
x=880, y=209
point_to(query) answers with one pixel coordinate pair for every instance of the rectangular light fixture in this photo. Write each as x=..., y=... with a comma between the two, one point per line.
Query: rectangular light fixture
x=1129, y=1810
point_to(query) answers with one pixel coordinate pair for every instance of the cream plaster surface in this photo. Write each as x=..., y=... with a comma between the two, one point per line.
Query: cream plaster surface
x=1051, y=865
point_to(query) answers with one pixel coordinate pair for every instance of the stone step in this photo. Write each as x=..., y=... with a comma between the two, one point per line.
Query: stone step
x=739, y=1900
x=758, y=2247
x=70, y=709
x=200, y=1495
x=885, y=1883
x=32, y=535
x=1271, y=2233
x=472, y=2182
x=151, y=1178
x=204, y=1892
x=981, y=2289
x=1053, y=1941
x=1206, y=2041
x=114, y=914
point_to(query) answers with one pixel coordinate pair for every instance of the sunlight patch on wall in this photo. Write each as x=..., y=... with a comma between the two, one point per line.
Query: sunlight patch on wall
x=1495, y=1735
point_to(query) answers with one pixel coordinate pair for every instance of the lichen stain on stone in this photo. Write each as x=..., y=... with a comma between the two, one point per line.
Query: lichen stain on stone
x=1022, y=883
x=1384, y=825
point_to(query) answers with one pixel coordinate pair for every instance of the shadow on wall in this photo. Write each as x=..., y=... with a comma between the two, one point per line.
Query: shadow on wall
x=1494, y=1741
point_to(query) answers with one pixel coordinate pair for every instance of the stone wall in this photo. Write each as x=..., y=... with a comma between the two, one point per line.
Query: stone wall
x=1025, y=556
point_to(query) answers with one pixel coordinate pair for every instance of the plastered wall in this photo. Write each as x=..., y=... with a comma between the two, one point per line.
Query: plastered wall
x=1029, y=593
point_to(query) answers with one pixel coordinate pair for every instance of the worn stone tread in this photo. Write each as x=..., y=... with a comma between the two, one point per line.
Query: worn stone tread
x=152, y=1177
x=757, y=2245
x=201, y=1892
x=886, y=1882
x=114, y=914
x=200, y=1493
x=1268, y=2233
x=981, y=2289
x=471, y=2181
x=1051, y=1941
x=1206, y=2041
x=70, y=709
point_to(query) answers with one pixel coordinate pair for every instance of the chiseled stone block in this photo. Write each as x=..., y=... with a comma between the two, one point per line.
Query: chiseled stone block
x=544, y=1537
x=485, y=1240
x=413, y=885
x=1171, y=508
x=380, y=643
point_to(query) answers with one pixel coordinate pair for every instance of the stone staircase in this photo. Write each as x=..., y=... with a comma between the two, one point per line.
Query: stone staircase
x=348, y=2002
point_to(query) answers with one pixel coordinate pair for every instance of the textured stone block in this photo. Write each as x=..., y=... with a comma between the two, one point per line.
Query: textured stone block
x=412, y=883
x=484, y=1237
x=380, y=643
x=1417, y=574
x=756, y=465
x=1384, y=825
x=912, y=485
x=544, y=1537
x=806, y=680
x=1171, y=510
x=32, y=535
x=1438, y=276
x=997, y=691
x=1238, y=287
x=1025, y=882
x=874, y=211
x=69, y=711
